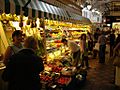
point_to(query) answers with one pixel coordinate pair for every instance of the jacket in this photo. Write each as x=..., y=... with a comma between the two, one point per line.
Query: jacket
x=22, y=72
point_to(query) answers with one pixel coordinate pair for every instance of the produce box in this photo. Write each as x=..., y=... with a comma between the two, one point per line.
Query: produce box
x=64, y=81
x=68, y=71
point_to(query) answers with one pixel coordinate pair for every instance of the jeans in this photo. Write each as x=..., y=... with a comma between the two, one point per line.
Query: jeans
x=102, y=53
x=76, y=57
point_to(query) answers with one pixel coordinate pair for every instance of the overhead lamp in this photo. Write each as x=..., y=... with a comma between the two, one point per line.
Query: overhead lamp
x=97, y=12
x=89, y=7
x=81, y=6
x=93, y=10
x=84, y=9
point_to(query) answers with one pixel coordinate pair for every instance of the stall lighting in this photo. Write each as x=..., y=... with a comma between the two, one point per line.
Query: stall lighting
x=16, y=25
x=93, y=10
x=108, y=24
x=38, y=22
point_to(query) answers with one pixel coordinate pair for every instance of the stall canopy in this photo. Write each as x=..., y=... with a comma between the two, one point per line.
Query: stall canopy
x=35, y=8
x=81, y=19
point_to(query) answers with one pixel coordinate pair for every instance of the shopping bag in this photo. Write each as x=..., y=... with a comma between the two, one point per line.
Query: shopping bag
x=96, y=47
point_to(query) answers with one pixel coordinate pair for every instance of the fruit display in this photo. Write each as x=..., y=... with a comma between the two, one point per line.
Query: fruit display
x=68, y=71
x=56, y=69
x=64, y=80
x=49, y=76
x=47, y=68
x=45, y=78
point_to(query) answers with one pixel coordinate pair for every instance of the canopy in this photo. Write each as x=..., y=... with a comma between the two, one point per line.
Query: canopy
x=81, y=19
x=35, y=8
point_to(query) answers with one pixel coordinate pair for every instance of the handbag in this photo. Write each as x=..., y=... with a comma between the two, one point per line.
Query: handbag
x=116, y=61
x=96, y=46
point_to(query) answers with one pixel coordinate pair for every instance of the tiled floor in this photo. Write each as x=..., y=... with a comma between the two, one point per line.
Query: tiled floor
x=100, y=76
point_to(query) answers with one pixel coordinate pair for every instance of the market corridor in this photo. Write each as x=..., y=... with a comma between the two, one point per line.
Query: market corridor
x=100, y=76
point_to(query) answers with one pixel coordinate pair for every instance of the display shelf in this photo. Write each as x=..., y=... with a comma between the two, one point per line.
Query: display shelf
x=53, y=44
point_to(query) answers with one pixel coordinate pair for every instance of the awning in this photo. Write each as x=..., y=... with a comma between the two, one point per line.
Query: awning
x=35, y=8
x=85, y=20
x=55, y=11
x=39, y=9
x=81, y=19
x=15, y=7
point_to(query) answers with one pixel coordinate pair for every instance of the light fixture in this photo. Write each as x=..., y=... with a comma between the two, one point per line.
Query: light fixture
x=89, y=7
x=93, y=10
x=84, y=9
x=81, y=6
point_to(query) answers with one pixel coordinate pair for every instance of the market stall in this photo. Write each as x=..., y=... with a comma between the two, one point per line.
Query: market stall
x=49, y=27
x=58, y=72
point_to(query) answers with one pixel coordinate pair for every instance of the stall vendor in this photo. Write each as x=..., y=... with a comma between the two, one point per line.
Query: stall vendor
x=75, y=51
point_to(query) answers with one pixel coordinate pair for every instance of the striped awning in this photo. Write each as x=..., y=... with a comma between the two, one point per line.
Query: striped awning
x=56, y=12
x=14, y=7
x=35, y=8
x=81, y=19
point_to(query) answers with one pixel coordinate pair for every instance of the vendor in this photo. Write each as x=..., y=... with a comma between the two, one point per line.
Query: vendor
x=15, y=47
x=75, y=51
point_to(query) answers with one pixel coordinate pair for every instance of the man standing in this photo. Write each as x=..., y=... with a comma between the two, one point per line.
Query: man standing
x=102, y=47
x=112, y=42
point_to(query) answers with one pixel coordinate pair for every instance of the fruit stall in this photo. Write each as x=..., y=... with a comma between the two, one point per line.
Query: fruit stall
x=59, y=72
x=62, y=77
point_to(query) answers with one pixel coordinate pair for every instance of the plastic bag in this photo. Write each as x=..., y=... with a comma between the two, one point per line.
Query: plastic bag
x=96, y=46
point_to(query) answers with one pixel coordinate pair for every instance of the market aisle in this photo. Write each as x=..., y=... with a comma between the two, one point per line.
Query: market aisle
x=100, y=76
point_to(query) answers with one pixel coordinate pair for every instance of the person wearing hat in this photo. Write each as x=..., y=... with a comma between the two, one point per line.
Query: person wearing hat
x=15, y=47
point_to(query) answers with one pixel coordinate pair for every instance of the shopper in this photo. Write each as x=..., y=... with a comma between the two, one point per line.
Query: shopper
x=23, y=69
x=117, y=40
x=96, y=35
x=75, y=51
x=84, y=51
x=15, y=47
x=112, y=42
x=90, y=43
x=102, y=47
x=116, y=62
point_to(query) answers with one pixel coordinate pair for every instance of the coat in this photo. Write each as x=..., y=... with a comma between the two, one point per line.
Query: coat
x=22, y=71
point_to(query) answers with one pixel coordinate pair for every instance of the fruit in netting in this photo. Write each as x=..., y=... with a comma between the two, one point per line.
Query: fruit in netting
x=28, y=22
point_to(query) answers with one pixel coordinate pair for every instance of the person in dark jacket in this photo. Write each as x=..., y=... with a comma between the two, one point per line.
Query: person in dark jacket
x=112, y=42
x=22, y=72
x=117, y=40
x=102, y=47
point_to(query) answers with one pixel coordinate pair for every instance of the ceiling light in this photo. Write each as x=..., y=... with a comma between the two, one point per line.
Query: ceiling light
x=93, y=10
x=82, y=6
x=89, y=7
x=84, y=9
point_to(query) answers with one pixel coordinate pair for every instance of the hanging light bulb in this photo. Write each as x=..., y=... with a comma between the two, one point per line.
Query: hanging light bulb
x=89, y=7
